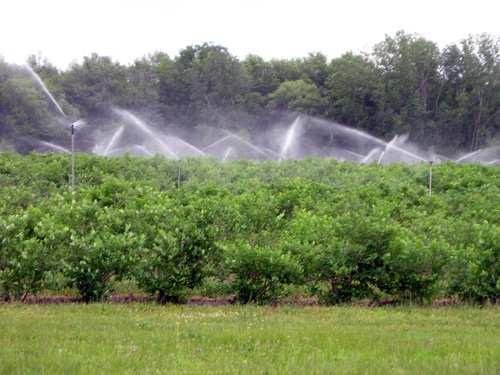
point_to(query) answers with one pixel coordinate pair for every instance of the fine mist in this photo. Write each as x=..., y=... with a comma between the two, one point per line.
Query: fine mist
x=292, y=136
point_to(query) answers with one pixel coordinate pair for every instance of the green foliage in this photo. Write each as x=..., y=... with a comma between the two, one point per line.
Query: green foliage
x=260, y=274
x=200, y=86
x=352, y=84
x=445, y=98
x=346, y=253
x=298, y=96
x=26, y=258
x=180, y=244
x=475, y=265
x=94, y=86
x=347, y=231
x=264, y=79
x=101, y=247
x=415, y=264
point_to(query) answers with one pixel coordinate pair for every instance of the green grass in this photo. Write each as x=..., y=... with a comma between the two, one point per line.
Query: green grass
x=152, y=339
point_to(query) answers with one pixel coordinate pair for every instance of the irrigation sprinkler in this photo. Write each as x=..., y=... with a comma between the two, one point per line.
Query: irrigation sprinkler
x=430, y=177
x=179, y=174
x=72, y=158
x=74, y=126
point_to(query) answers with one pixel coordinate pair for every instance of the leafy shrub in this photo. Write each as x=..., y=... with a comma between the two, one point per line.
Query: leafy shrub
x=97, y=258
x=181, y=241
x=101, y=247
x=259, y=273
x=25, y=260
x=475, y=266
x=415, y=264
x=346, y=253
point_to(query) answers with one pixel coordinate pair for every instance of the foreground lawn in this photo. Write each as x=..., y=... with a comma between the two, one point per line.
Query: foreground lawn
x=151, y=339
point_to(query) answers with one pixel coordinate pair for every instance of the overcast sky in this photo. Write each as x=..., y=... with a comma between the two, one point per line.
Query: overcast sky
x=65, y=31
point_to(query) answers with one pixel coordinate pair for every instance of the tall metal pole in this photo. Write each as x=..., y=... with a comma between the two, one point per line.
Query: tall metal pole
x=72, y=158
x=179, y=174
x=430, y=178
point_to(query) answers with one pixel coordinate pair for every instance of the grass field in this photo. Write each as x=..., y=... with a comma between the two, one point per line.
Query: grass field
x=150, y=339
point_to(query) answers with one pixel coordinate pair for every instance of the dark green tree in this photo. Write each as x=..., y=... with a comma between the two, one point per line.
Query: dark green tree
x=298, y=96
x=263, y=79
x=142, y=91
x=287, y=70
x=315, y=68
x=95, y=86
x=409, y=65
x=202, y=86
x=470, y=112
x=353, y=83
x=26, y=114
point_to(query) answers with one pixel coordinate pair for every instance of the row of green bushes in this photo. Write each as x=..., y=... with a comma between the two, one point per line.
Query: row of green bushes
x=341, y=231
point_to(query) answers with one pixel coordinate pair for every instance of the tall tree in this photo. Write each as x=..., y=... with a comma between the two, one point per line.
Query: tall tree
x=353, y=83
x=287, y=70
x=95, y=86
x=263, y=79
x=472, y=108
x=202, y=86
x=409, y=65
x=142, y=87
x=26, y=114
x=298, y=96
x=315, y=68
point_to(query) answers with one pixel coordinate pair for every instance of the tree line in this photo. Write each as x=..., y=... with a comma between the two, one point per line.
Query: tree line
x=446, y=98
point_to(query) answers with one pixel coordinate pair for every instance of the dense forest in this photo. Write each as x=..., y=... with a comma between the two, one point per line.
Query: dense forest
x=445, y=99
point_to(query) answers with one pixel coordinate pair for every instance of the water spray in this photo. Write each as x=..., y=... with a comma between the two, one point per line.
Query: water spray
x=227, y=154
x=468, y=156
x=298, y=140
x=55, y=147
x=45, y=89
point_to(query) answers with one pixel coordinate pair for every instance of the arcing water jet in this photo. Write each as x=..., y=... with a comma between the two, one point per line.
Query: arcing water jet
x=42, y=85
